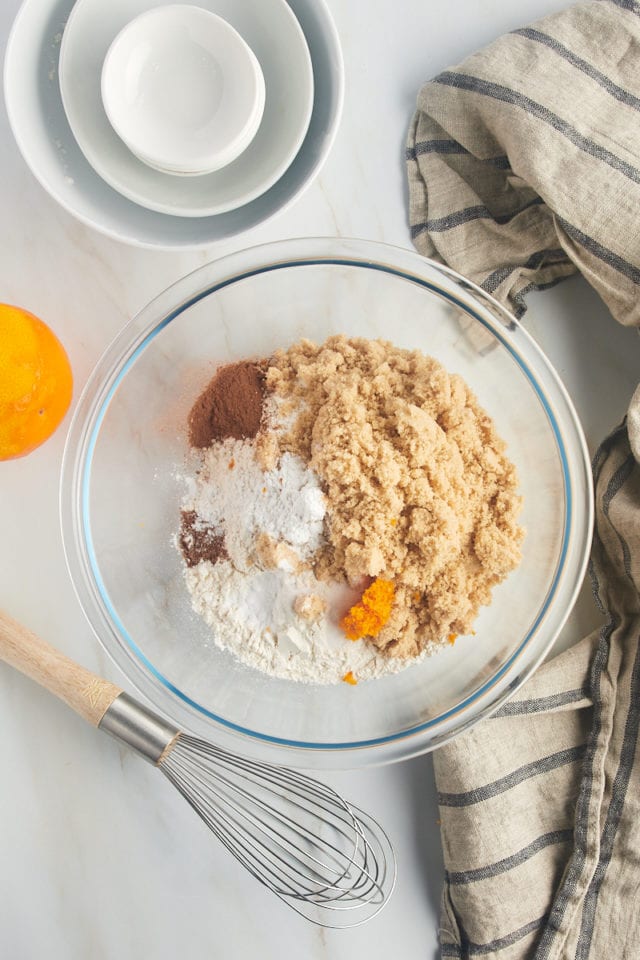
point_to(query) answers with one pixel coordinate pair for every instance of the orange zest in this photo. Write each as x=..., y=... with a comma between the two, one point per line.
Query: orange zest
x=452, y=638
x=368, y=616
x=35, y=382
x=349, y=678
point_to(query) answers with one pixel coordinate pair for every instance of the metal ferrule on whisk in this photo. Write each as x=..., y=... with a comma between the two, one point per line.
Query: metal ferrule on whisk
x=140, y=728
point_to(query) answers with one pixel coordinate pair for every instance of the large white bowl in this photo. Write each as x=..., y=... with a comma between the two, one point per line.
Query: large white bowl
x=43, y=135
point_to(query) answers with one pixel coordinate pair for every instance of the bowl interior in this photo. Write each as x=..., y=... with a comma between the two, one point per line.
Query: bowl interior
x=129, y=491
x=182, y=89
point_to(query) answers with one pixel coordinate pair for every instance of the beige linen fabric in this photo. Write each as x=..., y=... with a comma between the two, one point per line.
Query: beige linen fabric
x=523, y=161
x=524, y=166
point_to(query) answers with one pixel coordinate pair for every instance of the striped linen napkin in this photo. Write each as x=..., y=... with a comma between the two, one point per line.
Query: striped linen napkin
x=524, y=166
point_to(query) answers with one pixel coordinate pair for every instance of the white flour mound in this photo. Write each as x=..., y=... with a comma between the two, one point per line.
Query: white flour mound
x=251, y=615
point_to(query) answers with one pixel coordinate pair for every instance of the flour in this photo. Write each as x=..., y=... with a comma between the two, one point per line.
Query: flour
x=252, y=611
x=251, y=616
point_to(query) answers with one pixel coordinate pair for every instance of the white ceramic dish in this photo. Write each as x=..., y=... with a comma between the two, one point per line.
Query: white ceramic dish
x=274, y=35
x=43, y=135
x=182, y=89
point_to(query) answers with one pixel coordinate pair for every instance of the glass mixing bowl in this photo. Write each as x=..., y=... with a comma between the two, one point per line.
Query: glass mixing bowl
x=121, y=494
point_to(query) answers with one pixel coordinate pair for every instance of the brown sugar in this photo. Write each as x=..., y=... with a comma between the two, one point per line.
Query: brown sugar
x=419, y=489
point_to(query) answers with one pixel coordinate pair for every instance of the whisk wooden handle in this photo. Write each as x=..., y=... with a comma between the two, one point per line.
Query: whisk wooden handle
x=83, y=691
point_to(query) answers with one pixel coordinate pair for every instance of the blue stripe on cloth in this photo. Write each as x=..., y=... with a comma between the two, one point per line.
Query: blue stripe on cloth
x=618, y=480
x=629, y=5
x=508, y=863
x=452, y=147
x=450, y=950
x=528, y=770
x=530, y=287
x=537, y=259
x=620, y=94
x=540, y=704
x=499, y=92
x=468, y=214
x=600, y=251
x=438, y=146
x=471, y=949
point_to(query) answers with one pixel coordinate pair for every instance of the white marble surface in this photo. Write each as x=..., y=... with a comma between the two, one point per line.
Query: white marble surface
x=98, y=858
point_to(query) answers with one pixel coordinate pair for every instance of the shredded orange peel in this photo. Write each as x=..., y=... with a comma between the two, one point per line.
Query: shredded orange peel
x=349, y=678
x=368, y=616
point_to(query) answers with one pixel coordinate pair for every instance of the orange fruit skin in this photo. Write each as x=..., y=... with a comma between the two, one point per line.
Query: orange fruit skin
x=36, y=383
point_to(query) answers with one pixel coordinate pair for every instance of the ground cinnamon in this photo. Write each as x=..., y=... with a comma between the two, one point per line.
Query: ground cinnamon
x=199, y=542
x=230, y=406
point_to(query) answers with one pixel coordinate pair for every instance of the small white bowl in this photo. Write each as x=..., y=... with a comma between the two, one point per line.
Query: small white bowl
x=183, y=90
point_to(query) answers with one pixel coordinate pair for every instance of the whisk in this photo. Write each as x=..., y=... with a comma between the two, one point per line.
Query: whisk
x=325, y=858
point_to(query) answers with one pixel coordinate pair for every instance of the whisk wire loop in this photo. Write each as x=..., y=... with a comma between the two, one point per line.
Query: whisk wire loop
x=285, y=847
x=293, y=834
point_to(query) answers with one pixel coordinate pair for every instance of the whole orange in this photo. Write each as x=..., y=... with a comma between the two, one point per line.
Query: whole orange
x=35, y=382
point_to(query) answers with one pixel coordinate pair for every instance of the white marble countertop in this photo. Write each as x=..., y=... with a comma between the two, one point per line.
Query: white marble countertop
x=98, y=857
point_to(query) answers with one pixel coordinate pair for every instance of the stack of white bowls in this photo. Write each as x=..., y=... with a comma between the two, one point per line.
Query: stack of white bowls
x=174, y=125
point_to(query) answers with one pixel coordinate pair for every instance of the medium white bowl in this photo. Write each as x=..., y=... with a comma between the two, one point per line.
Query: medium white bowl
x=273, y=33
x=182, y=89
x=43, y=135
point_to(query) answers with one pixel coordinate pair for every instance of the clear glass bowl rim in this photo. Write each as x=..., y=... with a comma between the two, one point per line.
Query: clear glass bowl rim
x=92, y=405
